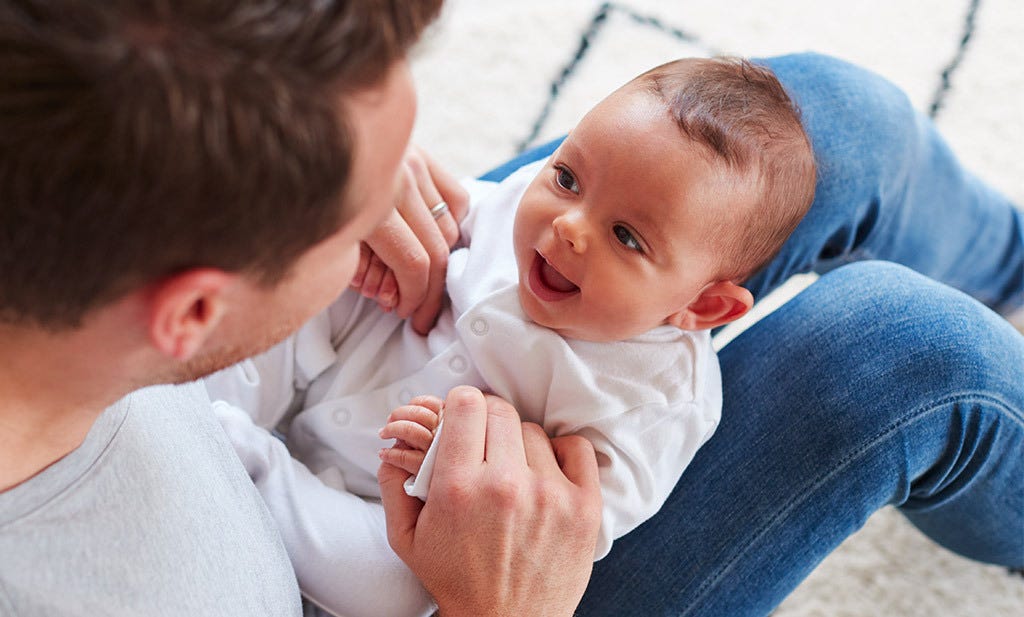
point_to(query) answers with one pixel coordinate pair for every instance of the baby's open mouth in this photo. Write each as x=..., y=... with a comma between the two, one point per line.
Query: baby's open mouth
x=547, y=283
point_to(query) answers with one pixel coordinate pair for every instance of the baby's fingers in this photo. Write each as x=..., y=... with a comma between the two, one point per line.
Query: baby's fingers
x=373, y=277
x=365, y=253
x=429, y=401
x=414, y=434
x=409, y=460
x=387, y=295
x=419, y=414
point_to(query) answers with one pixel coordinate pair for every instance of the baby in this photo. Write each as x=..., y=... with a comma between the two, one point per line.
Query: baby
x=584, y=294
x=630, y=227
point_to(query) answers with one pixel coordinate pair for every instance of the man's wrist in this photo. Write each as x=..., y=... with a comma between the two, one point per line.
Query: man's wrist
x=489, y=610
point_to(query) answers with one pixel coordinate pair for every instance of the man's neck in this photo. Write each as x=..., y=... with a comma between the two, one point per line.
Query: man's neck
x=53, y=386
x=30, y=443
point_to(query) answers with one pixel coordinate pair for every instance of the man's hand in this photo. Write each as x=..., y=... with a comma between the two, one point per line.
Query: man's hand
x=404, y=261
x=512, y=520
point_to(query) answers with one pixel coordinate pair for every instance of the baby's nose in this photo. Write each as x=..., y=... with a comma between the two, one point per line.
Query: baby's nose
x=569, y=228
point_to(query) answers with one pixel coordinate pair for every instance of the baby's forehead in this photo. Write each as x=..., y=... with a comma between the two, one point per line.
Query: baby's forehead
x=635, y=107
x=633, y=137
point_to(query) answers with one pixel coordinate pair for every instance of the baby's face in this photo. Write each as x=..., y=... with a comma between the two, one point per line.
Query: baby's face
x=618, y=232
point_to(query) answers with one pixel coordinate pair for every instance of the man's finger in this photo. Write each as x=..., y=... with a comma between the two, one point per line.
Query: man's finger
x=415, y=212
x=425, y=316
x=425, y=182
x=414, y=206
x=461, y=444
x=537, y=446
x=448, y=186
x=395, y=244
x=401, y=511
x=576, y=459
x=504, y=440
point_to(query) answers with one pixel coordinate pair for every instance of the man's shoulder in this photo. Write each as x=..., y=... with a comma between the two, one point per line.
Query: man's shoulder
x=159, y=515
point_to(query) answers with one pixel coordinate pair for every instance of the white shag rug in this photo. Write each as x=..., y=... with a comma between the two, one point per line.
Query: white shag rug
x=496, y=75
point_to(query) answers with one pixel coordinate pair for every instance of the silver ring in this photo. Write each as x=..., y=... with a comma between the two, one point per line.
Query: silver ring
x=438, y=210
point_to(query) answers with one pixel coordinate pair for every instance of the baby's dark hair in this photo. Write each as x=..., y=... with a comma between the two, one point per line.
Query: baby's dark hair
x=742, y=114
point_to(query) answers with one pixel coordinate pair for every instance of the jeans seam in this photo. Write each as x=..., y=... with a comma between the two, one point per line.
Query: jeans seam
x=880, y=436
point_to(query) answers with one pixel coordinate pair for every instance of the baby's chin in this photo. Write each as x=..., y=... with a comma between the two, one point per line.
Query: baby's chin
x=569, y=331
x=533, y=312
x=579, y=332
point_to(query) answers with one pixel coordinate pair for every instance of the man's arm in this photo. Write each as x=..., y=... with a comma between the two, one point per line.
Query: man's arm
x=512, y=522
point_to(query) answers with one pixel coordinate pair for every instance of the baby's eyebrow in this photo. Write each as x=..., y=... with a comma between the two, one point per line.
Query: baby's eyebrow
x=646, y=223
x=573, y=154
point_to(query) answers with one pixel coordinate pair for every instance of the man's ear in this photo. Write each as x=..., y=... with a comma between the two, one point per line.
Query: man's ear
x=716, y=305
x=184, y=309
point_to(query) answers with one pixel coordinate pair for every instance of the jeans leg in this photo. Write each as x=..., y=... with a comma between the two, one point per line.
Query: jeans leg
x=890, y=188
x=874, y=386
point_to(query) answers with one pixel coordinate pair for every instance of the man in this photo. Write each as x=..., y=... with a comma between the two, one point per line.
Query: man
x=180, y=187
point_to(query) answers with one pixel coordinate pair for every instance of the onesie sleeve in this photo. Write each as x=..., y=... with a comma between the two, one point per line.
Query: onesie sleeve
x=337, y=542
x=266, y=385
x=641, y=455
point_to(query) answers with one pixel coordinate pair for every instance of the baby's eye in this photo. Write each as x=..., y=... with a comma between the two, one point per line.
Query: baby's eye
x=625, y=236
x=566, y=180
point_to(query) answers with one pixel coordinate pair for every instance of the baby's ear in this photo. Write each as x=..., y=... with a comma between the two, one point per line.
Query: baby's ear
x=716, y=305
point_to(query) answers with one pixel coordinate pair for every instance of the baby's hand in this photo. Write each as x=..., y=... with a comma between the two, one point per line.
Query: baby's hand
x=412, y=427
x=375, y=280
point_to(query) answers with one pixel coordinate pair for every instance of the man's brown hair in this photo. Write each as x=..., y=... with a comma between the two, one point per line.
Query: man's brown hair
x=139, y=138
x=742, y=114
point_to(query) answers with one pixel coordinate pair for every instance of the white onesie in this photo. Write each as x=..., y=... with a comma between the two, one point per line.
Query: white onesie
x=647, y=403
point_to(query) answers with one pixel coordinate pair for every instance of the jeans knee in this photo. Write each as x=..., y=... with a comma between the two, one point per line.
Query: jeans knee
x=874, y=100
x=848, y=109
x=939, y=335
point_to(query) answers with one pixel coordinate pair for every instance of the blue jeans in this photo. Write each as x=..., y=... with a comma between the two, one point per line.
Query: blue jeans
x=877, y=385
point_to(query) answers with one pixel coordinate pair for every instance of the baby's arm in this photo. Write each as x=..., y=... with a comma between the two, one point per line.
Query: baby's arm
x=641, y=455
x=337, y=542
x=413, y=427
